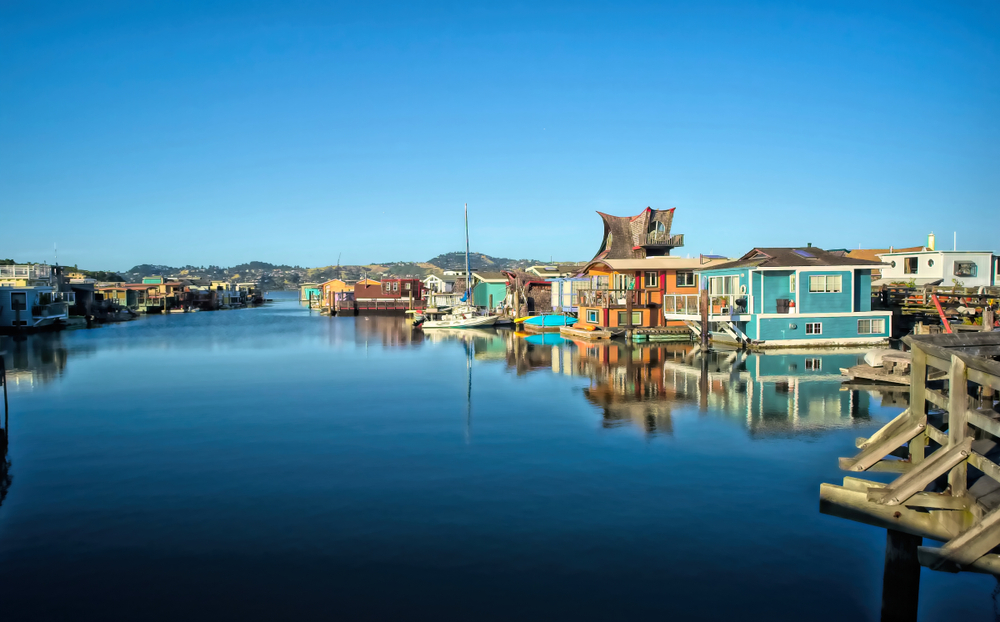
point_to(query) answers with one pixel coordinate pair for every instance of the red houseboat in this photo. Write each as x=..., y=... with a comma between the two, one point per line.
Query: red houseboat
x=390, y=297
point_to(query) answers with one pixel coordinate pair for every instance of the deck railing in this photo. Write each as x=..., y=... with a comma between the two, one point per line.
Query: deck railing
x=49, y=310
x=662, y=238
x=35, y=271
x=690, y=304
x=605, y=298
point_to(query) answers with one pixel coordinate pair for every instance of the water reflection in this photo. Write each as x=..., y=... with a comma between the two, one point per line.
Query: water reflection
x=34, y=360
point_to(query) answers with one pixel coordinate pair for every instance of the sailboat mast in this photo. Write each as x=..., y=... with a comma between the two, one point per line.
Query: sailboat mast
x=468, y=272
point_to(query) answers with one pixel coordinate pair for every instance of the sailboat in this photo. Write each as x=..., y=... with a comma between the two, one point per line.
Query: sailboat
x=463, y=315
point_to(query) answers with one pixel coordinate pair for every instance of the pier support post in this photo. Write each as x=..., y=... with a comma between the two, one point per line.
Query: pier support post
x=704, y=318
x=901, y=578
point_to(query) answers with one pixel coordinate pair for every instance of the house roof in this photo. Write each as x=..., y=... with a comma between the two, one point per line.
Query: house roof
x=543, y=269
x=795, y=257
x=490, y=277
x=871, y=254
x=656, y=263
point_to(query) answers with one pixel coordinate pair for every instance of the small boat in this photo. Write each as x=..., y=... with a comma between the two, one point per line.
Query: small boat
x=457, y=317
x=547, y=323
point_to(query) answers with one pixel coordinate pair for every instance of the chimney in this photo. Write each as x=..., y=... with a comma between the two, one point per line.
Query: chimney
x=809, y=244
x=930, y=241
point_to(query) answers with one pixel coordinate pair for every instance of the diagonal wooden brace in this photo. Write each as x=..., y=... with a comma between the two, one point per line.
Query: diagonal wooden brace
x=908, y=484
x=900, y=430
x=977, y=541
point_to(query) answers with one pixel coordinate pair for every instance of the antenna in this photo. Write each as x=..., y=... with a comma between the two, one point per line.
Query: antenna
x=55, y=251
x=956, y=240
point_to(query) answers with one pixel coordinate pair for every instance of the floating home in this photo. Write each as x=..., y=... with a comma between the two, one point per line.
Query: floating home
x=389, y=297
x=782, y=297
x=489, y=289
x=29, y=301
x=633, y=270
x=946, y=268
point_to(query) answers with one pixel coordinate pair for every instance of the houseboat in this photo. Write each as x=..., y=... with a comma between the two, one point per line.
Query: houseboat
x=623, y=287
x=30, y=301
x=937, y=267
x=389, y=297
x=786, y=297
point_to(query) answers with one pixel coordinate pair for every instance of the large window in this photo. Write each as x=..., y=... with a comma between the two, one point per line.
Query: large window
x=966, y=268
x=814, y=364
x=871, y=327
x=636, y=318
x=910, y=265
x=814, y=328
x=685, y=279
x=592, y=316
x=825, y=283
x=723, y=285
x=651, y=280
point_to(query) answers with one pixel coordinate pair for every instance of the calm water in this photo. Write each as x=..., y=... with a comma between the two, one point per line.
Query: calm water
x=271, y=464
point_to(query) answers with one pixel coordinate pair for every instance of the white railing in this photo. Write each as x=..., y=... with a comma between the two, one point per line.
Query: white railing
x=32, y=271
x=681, y=304
x=690, y=304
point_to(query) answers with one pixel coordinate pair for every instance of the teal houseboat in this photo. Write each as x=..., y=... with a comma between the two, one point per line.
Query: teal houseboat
x=786, y=297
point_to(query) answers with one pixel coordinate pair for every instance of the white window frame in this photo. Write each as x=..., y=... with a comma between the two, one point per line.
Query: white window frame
x=791, y=283
x=830, y=283
x=395, y=286
x=592, y=316
x=814, y=328
x=814, y=364
x=871, y=326
x=655, y=282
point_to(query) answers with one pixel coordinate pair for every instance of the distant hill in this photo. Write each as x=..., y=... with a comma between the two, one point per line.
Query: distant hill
x=479, y=261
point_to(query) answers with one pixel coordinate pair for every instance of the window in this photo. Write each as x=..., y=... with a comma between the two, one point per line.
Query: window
x=395, y=286
x=825, y=283
x=814, y=328
x=965, y=268
x=18, y=301
x=592, y=316
x=602, y=281
x=930, y=263
x=652, y=280
x=636, y=318
x=791, y=283
x=814, y=364
x=406, y=286
x=871, y=327
x=723, y=285
x=910, y=265
x=685, y=279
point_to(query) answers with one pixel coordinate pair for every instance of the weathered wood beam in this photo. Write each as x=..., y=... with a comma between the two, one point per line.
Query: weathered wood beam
x=974, y=542
x=937, y=501
x=983, y=422
x=898, y=431
x=861, y=485
x=988, y=467
x=854, y=505
x=891, y=466
x=936, y=465
x=958, y=429
x=937, y=398
x=932, y=557
x=887, y=430
x=936, y=435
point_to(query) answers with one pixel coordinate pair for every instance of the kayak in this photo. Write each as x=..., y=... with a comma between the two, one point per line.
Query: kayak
x=550, y=320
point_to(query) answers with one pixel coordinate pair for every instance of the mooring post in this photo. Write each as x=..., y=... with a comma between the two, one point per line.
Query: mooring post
x=901, y=578
x=704, y=318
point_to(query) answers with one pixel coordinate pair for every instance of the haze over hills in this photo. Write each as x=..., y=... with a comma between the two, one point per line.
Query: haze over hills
x=281, y=276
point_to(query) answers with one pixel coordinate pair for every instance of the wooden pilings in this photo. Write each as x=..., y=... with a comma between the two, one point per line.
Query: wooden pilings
x=901, y=577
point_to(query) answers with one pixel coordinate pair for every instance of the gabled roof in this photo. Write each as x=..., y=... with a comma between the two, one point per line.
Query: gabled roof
x=871, y=254
x=796, y=257
x=490, y=277
x=656, y=263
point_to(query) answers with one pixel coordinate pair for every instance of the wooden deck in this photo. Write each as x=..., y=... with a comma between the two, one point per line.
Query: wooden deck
x=571, y=332
x=945, y=431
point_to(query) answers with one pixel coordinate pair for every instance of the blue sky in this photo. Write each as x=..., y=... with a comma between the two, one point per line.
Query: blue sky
x=291, y=132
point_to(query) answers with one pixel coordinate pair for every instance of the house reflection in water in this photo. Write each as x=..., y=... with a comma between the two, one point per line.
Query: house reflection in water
x=384, y=330
x=35, y=360
x=785, y=392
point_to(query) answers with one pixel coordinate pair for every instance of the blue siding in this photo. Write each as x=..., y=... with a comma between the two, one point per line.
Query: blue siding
x=757, y=279
x=833, y=327
x=482, y=291
x=776, y=285
x=795, y=364
x=863, y=290
x=821, y=302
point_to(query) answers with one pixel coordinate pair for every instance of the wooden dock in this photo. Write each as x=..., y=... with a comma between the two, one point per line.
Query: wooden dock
x=949, y=426
x=599, y=334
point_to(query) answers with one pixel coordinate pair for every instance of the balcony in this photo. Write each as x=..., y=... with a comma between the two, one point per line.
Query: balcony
x=663, y=240
x=607, y=298
x=688, y=306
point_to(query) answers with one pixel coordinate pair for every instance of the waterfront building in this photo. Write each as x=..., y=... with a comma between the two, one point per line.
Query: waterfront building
x=335, y=291
x=935, y=267
x=392, y=296
x=554, y=271
x=439, y=284
x=780, y=297
x=566, y=293
x=30, y=300
x=489, y=289
x=308, y=291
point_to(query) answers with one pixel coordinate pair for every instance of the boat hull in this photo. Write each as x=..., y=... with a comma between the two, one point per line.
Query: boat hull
x=472, y=322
